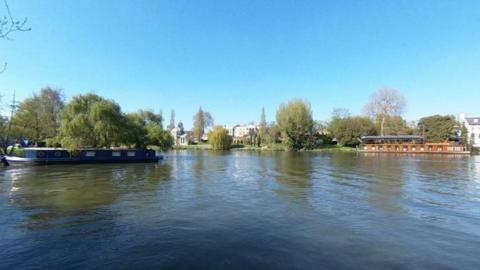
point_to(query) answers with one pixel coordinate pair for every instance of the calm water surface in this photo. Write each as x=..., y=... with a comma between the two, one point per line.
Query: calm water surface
x=240, y=210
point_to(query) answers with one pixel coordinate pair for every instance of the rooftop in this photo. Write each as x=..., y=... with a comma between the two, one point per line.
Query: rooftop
x=393, y=137
x=473, y=121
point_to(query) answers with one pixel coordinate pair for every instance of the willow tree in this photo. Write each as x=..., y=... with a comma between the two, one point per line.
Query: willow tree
x=385, y=103
x=219, y=139
x=295, y=122
x=91, y=121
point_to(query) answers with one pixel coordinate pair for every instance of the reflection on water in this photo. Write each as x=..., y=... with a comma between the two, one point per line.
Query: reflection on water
x=294, y=175
x=243, y=210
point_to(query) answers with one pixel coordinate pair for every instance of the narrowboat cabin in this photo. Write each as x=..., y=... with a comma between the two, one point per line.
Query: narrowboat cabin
x=64, y=156
x=408, y=144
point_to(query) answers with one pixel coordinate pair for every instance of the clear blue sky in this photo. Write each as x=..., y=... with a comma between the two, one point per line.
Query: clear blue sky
x=233, y=57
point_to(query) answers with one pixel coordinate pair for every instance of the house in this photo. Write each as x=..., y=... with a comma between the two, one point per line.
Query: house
x=179, y=136
x=240, y=132
x=473, y=126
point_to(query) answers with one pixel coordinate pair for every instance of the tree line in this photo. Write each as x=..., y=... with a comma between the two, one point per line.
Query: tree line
x=295, y=128
x=92, y=121
x=86, y=121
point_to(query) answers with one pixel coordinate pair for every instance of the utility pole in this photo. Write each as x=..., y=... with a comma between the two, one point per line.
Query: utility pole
x=13, y=107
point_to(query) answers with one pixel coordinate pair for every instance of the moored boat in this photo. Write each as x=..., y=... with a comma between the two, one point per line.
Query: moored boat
x=409, y=144
x=44, y=156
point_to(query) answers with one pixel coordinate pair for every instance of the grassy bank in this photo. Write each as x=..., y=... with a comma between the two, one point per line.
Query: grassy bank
x=275, y=147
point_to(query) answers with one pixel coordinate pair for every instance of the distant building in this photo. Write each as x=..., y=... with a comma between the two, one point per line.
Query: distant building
x=179, y=137
x=473, y=126
x=239, y=132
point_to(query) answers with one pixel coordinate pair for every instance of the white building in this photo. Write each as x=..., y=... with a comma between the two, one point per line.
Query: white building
x=473, y=126
x=239, y=132
x=179, y=137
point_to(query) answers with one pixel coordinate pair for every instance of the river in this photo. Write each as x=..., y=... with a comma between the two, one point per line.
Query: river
x=245, y=210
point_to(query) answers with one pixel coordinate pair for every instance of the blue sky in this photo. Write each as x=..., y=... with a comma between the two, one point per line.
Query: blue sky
x=234, y=57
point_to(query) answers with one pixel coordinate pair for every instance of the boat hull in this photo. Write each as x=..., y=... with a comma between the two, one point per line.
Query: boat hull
x=92, y=156
x=34, y=161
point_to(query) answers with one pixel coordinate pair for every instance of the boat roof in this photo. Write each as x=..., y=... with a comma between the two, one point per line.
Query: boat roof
x=393, y=137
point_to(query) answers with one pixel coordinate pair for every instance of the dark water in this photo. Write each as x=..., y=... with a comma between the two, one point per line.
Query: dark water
x=198, y=210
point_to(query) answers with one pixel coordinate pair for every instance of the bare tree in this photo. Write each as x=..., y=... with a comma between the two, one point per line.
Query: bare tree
x=8, y=25
x=383, y=103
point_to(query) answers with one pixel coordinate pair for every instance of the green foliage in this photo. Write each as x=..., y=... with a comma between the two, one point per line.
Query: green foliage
x=53, y=142
x=262, y=128
x=438, y=128
x=91, y=121
x=295, y=122
x=38, y=117
x=348, y=130
x=145, y=128
x=393, y=125
x=219, y=139
x=201, y=121
x=464, y=134
x=272, y=134
x=159, y=137
x=18, y=152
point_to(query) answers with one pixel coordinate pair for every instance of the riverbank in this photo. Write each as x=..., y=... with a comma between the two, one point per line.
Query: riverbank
x=275, y=147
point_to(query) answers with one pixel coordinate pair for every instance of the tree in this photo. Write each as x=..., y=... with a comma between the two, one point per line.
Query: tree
x=349, y=130
x=160, y=137
x=219, y=139
x=272, y=134
x=38, y=117
x=464, y=134
x=8, y=25
x=384, y=103
x=3, y=131
x=201, y=121
x=262, y=127
x=395, y=125
x=295, y=122
x=438, y=128
x=90, y=120
x=172, y=120
x=146, y=129
x=180, y=127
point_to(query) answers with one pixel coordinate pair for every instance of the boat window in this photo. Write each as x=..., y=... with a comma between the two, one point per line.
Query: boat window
x=131, y=154
x=90, y=153
x=116, y=154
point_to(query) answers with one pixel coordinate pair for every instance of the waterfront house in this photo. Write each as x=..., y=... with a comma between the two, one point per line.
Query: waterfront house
x=473, y=127
x=179, y=137
x=240, y=132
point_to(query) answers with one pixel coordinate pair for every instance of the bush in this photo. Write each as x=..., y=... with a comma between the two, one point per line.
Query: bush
x=219, y=138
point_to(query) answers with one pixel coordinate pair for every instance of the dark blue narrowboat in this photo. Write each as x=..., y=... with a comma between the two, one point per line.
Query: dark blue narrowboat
x=63, y=156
